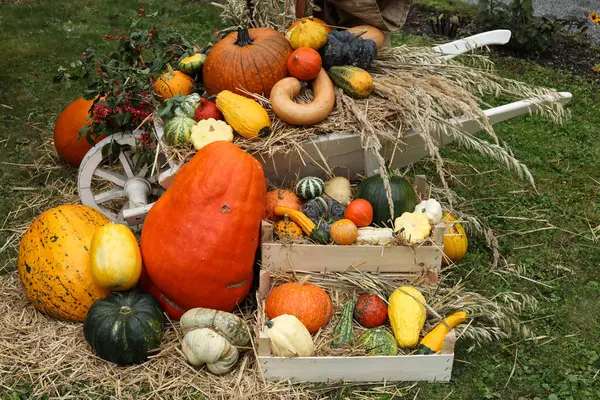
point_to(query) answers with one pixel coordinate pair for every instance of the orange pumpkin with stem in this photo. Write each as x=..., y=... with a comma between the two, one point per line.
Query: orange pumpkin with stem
x=69, y=146
x=304, y=64
x=307, y=302
x=344, y=232
x=251, y=59
x=280, y=198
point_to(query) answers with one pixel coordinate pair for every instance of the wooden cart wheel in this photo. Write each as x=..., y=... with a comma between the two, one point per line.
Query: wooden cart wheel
x=120, y=191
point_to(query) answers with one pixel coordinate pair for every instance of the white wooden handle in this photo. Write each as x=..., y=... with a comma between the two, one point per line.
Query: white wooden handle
x=458, y=47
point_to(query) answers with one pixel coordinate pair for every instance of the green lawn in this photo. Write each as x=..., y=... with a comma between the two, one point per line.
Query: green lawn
x=558, y=262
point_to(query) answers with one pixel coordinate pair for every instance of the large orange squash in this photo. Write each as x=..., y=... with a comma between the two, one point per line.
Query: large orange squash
x=68, y=145
x=53, y=261
x=253, y=59
x=199, y=239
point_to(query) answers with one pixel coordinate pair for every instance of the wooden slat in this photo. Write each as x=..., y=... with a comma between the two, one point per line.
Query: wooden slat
x=311, y=257
x=433, y=368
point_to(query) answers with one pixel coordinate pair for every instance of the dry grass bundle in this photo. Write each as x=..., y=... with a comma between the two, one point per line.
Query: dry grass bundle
x=413, y=90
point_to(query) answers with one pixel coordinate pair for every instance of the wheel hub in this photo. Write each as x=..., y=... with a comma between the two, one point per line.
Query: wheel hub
x=137, y=191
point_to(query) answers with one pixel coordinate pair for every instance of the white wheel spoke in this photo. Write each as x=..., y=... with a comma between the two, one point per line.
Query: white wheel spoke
x=111, y=194
x=143, y=171
x=114, y=177
x=126, y=163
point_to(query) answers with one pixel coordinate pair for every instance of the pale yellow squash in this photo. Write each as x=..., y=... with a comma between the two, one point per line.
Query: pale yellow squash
x=115, y=258
x=407, y=314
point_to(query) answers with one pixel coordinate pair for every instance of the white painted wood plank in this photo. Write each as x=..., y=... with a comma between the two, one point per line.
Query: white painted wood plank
x=309, y=257
x=433, y=368
x=458, y=47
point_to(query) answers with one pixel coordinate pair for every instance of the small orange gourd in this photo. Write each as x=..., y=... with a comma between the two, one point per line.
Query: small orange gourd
x=286, y=229
x=173, y=82
x=344, y=232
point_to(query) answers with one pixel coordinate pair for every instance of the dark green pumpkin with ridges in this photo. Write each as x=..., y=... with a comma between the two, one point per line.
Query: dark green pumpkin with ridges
x=379, y=342
x=404, y=198
x=343, y=332
x=124, y=327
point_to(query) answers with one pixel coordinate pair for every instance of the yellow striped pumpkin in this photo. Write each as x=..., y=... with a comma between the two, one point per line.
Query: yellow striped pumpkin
x=455, y=240
x=54, y=261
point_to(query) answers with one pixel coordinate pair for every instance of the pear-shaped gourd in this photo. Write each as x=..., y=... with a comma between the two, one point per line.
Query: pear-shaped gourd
x=407, y=314
x=289, y=337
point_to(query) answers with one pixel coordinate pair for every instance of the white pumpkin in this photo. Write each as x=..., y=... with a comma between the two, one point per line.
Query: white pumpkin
x=339, y=189
x=432, y=208
x=289, y=337
x=374, y=236
x=204, y=346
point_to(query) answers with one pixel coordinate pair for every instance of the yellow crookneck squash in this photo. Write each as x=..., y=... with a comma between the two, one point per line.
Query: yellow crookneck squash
x=407, y=315
x=245, y=115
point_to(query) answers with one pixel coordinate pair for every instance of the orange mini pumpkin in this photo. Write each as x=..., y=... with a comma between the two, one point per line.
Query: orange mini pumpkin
x=304, y=64
x=344, y=232
x=359, y=211
x=173, y=82
x=280, y=198
x=307, y=302
x=69, y=146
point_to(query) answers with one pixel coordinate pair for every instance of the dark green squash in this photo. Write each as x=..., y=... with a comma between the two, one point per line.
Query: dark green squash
x=404, y=197
x=320, y=236
x=124, y=327
x=379, y=342
x=345, y=48
x=343, y=333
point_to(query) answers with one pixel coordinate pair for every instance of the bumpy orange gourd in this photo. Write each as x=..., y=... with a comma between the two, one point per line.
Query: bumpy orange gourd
x=199, y=239
x=455, y=240
x=344, y=232
x=281, y=197
x=68, y=145
x=307, y=302
x=251, y=59
x=173, y=82
x=54, y=261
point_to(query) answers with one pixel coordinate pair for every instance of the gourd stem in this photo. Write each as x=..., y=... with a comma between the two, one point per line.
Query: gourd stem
x=304, y=279
x=125, y=310
x=243, y=38
x=211, y=97
x=325, y=207
x=269, y=324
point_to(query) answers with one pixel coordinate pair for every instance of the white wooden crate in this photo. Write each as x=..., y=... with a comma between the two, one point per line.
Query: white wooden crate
x=431, y=368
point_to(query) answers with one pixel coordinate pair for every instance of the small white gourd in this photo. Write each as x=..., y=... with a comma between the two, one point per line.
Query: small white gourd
x=289, y=337
x=432, y=208
x=205, y=346
x=339, y=189
x=374, y=236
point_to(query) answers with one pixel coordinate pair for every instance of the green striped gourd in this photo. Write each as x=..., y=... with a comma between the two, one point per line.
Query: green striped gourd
x=191, y=65
x=188, y=106
x=343, y=333
x=178, y=131
x=310, y=187
x=354, y=81
x=379, y=342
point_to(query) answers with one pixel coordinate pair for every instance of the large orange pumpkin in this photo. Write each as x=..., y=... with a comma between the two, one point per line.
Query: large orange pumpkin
x=280, y=197
x=251, y=59
x=53, y=261
x=68, y=145
x=307, y=302
x=199, y=239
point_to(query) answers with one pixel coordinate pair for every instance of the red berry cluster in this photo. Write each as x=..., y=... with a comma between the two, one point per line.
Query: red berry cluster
x=101, y=112
x=141, y=13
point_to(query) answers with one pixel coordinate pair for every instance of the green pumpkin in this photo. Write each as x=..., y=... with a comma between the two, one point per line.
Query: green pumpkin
x=178, y=131
x=310, y=187
x=404, y=197
x=191, y=65
x=320, y=236
x=379, y=342
x=124, y=327
x=343, y=333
